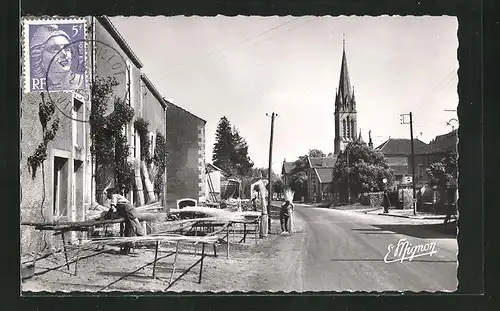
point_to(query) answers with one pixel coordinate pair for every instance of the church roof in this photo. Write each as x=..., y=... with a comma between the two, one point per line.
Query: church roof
x=323, y=162
x=325, y=175
x=287, y=167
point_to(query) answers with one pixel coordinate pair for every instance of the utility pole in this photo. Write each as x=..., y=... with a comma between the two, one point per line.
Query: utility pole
x=412, y=160
x=269, y=182
x=348, y=186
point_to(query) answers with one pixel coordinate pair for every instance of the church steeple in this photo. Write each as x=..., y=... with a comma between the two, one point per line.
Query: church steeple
x=345, y=107
x=344, y=82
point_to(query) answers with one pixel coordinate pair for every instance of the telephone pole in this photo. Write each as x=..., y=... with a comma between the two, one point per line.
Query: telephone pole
x=269, y=182
x=412, y=159
x=348, y=186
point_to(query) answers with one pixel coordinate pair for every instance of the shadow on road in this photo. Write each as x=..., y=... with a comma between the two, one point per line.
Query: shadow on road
x=428, y=231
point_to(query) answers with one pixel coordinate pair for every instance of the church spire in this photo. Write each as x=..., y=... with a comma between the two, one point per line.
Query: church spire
x=344, y=83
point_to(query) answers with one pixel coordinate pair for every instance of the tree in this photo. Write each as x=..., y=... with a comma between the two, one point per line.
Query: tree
x=366, y=170
x=223, y=147
x=298, y=180
x=278, y=187
x=240, y=160
x=230, y=151
x=444, y=173
x=316, y=153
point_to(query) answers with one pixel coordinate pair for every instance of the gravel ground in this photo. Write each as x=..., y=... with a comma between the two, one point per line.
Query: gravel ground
x=247, y=261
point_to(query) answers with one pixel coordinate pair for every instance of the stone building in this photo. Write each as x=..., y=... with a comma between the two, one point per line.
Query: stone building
x=58, y=178
x=397, y=151
x=55, y=163
x=319, y=178
x=186, y=152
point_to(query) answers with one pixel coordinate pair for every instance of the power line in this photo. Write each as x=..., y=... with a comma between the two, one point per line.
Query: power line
x=207, y=55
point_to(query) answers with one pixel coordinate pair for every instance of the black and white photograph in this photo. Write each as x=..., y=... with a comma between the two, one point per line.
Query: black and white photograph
x=239, y=154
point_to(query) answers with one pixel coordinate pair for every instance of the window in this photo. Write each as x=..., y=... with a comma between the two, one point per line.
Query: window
x=348, y=128
x=152, y=143
x=344, y=127
x=77, y=127
x=352, y=130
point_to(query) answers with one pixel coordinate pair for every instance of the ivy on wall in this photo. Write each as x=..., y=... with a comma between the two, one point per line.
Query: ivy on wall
x=109, y=144
x=160, y=161
x=46, y=112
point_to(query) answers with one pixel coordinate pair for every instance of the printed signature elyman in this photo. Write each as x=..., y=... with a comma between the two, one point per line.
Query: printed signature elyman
x=404, y=250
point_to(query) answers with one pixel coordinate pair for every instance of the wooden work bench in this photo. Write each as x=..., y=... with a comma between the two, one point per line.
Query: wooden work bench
x=62, y=228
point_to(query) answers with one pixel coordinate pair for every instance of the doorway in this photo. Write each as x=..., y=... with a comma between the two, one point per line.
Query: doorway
x=60, y=201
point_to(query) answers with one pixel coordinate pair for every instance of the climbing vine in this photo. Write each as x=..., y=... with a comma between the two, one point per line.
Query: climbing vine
x=46, y=112
x=160, y=161
x=109, y=144
x=142, y=127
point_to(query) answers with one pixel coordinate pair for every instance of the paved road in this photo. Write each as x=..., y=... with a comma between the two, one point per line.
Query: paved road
x=344, y=250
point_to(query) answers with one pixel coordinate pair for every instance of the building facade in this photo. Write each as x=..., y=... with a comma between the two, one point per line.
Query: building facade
x=440, y=147
x=57, y=170
x=319, y=178
x=186, y=151
x=397, y=151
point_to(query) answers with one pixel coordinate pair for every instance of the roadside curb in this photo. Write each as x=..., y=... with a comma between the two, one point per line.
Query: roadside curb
x=413, y=217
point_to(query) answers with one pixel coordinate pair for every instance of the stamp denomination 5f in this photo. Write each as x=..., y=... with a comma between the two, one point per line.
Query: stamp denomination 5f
x=55, y=54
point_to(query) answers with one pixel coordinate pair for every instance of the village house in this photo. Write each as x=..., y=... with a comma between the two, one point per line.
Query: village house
x=397, y=151
x=186, y=153
x=438, y=148
x=62, y=185
x=319, y=178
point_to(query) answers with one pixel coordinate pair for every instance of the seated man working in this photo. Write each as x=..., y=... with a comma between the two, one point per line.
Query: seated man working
x=122, y=207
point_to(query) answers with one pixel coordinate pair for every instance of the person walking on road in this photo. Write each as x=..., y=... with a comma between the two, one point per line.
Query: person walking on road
x=285, y=212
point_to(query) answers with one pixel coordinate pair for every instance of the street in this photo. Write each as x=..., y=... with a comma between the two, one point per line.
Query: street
x=335, y=250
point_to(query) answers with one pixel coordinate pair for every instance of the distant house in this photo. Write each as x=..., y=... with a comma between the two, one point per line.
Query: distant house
x=286, y=172
x=319, y=177
x=397, y=152
x=186, y=153
x=438, y=148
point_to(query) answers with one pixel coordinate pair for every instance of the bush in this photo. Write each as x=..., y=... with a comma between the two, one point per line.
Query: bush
x=372, y=199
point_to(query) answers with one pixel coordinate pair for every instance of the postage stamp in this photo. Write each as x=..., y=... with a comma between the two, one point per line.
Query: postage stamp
x=54, y=55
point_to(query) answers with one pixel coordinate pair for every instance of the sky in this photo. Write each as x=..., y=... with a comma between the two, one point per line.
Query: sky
x=244, y=67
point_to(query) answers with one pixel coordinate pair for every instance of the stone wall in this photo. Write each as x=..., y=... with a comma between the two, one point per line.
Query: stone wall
x=185, y=144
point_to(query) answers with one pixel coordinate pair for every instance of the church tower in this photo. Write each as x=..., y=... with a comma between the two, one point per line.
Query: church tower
x=346, y=123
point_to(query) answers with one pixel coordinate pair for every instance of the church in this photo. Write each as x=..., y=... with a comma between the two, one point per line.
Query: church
x=346, y=123
x=320, y=169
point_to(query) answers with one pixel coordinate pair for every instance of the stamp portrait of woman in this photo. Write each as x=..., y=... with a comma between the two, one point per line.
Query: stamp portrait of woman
x=55, y=64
